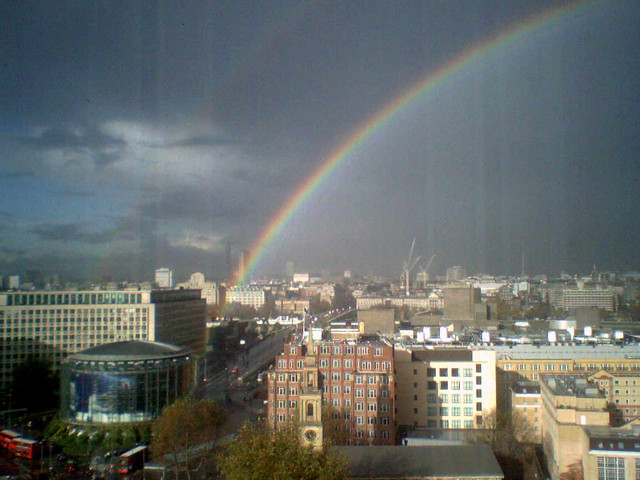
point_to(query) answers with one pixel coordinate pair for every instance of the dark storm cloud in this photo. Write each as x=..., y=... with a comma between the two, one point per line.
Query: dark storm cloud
x=202, y=141
x=190, y=203
x=70, y=232
x=64, y=138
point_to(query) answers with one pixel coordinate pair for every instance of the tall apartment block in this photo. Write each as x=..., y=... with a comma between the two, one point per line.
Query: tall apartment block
x=54, y=324
x=353, y=379
x=444, y=388
x=164, y=278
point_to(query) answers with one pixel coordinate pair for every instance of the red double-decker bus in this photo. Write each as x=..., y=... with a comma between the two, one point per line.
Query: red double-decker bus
x=132, y=460
x=7, y=437
x=15, y=444
x=26, y=447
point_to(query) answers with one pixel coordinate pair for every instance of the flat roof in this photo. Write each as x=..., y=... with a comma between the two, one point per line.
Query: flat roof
x=443, y=355
x=565, y=352
x=389, y=462
x=130, y=350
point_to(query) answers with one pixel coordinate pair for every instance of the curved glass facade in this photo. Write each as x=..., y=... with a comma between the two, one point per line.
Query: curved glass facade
x=111, y=392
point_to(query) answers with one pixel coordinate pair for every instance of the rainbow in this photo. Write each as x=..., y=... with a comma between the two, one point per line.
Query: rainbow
x=367, y=129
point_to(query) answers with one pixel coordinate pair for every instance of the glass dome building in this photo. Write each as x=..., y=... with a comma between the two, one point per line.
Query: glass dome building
x=123, y=382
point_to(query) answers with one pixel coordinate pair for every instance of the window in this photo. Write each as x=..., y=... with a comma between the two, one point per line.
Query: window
x=324, y=362
x=467, y=398
x=359, y=420
x=432, y=398
x=335, y=376
x=467, y=372
x=432, y=385
x=478, y=393
x=468, y=411
x=359, y=406
x=372, y=407
x=478, y=368
x=384, y=393
x=456, y=424
x=444, y=385
x=455, y=411
x=336, y=350
x=444, y=372
x=384, y=407
x=384, y=421
x=347, y=402
x=455, y=372
x=468, y=385
x=521, y=366
x=336, y=402
x=432, y=411
x=611, y=468
x=478, y=406
x=478, y=380
x=431, y=372
x=335, y=389
x=378, y=352
x=549, y=367
x=444, y=411
x=372, y=393
x=347, y=389
x=335, y=363
x=444, y=424
x=324, y=349
x=359, y=379
x=455, y=385
x=348, y=363
x=359, y=392
x=371, y=420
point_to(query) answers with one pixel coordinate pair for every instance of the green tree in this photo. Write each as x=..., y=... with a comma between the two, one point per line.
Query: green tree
x=260, y=453
x=184, y=425
x=34, y=386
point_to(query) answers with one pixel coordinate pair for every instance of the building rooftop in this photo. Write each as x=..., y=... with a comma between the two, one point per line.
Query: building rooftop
x=564, y=352
x=443, y=355
x=403, y=462
x=522, y=388
x=130, y=350
x=571, y=386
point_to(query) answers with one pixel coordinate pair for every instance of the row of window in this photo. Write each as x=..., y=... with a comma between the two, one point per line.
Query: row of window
x=339, y=349
x=451, y=372
x=453, y=385
x=72, y=298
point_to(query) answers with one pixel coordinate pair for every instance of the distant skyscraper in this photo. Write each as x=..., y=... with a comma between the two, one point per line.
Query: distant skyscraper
x=14, y=282
x=290, y=269
x=242, y=263
x=164, y=278
x=456, y=273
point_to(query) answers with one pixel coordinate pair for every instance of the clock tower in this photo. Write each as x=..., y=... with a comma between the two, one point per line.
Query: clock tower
x=310, y=406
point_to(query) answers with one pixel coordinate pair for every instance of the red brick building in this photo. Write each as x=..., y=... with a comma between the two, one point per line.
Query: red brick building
x=353, y=379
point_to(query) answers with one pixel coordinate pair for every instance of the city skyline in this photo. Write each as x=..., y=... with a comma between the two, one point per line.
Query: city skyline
x=144, y=136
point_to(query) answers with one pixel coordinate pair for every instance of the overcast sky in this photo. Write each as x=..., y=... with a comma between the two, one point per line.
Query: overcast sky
x=135, y=135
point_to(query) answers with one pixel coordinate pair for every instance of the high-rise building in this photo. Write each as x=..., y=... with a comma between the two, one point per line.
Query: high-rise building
x=290, y=269
x=53, y=324
x=456, y=273
x=164, y=278
x=353, y=378
x=14, y=282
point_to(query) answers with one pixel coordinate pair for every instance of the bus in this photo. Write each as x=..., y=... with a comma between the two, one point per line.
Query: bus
x=26, y=447
x=132, y=460
x=7, y=437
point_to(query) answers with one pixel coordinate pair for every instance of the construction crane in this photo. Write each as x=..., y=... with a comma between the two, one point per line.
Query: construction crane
x=409, y=265
x=423, y=271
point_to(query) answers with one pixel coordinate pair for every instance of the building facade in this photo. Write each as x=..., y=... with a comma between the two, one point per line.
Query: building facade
x=123, y=382
x=252, y=296
x=164, y=278
x=355, y=384
x=444, y=388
